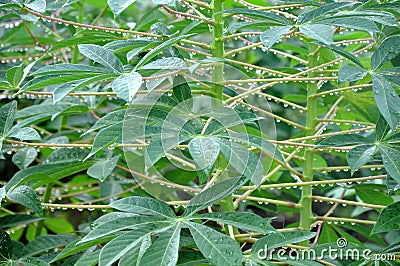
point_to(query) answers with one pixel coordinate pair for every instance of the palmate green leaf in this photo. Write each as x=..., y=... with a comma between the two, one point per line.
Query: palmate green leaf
x=67, y=155
x=37, y=5
x=111, y=126
x=276, y=240
x=44, y=243
x=103, y=168
x=49, y=80
x=121, y=245
x=157, y=50
x=127, y=85
x=25, y=133
x=16, y=4
x=389, y=219
x=106, y=137
x=59, y=226
x=4, y=85
x=343, y=53
x=267, y=147
x=382, y=129
x=143, y=206
x=358, y=23
x=381, y=17
x=271, y=18
x=112, y=227
x=127, y=45
x=216, y=247
x=18, y=219
x=393, y=139
x=108, y=120
x=154, y=83
x=343, y=140
x=68, y=69
x=6, y=246
x=111, y=187
x=373, y=196
x=272, y=36
x=102, y=56
x=64, y=89
x=191, y=258
x=88, y=259
x=387, y=100
x=137, y=50
x=160, y=29
x=118, y=6
x=389, y=49
x=134, y=256
x=14, y=75
x=391, y=158
x=327, y=235
x=24, y=157
x=323, y=10
x=391, y=74
x=204, y=152
x=44, y=110
x=391, y=184
x=349, y=73
x=167, y=63
x=30, y=261
x=45, y=173
x=158, y=148
x=181, y=90
x=164, y=251
x=257, y=25
x=387, y=6
x=359, y=156
x=27, y=197
x=213, y=194
x=226, y=118
x=352, y=17
x=245, y=162
x=246, y=221
x=74, y=248
x=7, y=115
x=363, y=104
x=319, y=32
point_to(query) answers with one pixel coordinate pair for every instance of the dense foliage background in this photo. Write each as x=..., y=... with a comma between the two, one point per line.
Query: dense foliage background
x=191, y=132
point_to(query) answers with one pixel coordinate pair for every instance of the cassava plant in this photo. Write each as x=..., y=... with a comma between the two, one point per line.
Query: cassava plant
x=195, y=132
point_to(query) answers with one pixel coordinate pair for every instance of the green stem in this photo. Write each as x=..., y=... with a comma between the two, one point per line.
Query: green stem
x=46, y=198
x=102, y=12
x=218, y=48
x=306, y=216
x=63, y=123
x=218, y=77
x=81, y=8
x=228, y=206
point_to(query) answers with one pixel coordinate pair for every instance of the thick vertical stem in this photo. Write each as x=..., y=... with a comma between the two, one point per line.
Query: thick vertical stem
x=75, y=54
x=218, y=75
x=311, y=121
x=46, y=198
x=218, y=48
